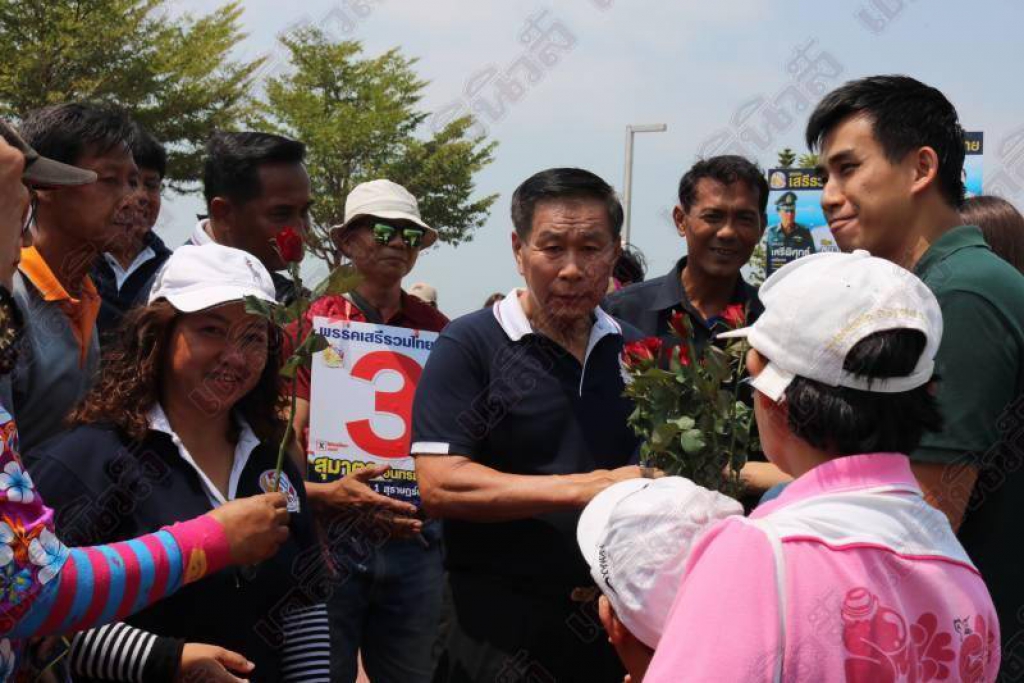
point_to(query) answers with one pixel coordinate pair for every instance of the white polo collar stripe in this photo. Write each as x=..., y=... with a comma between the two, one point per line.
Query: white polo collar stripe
x=513, y=321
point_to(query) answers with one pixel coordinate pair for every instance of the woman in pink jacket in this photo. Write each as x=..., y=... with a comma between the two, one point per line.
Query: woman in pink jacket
x=849, y=575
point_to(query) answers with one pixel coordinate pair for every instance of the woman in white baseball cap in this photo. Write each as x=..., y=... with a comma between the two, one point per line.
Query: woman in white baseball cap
x=47, y=588
x=184, y=419
x=849, y=575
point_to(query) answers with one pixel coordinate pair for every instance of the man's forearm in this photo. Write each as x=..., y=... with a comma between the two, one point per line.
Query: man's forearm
x=457, y=488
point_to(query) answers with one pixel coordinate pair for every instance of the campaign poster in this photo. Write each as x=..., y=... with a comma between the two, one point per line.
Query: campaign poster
x=975, y=143
x=361, y=397
x=796, y=224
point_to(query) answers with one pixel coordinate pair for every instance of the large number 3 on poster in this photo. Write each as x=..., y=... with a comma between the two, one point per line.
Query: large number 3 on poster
x=397, y=403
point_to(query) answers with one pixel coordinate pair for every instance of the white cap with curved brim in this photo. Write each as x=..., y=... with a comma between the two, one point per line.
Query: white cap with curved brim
x=199, y=277
x=637, y=536
x=818, y=307
x=383, y=199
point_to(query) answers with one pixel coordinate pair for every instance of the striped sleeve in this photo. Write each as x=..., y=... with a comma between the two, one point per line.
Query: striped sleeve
x=96, y=585
x=119, y=652
x=306, y=653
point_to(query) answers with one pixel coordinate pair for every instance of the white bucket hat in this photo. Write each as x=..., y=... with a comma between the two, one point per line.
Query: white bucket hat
x=818, y=307
x=637, y=536
x=383, y=199
x=200, y=277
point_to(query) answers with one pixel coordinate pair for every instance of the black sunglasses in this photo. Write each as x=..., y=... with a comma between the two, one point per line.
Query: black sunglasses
x=383, y=233
x=30, y=217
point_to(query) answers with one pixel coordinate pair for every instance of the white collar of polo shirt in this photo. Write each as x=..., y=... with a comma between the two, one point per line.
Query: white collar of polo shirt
x=513, y=321
x=122, y=274
x=201, y=235
x=247, y=443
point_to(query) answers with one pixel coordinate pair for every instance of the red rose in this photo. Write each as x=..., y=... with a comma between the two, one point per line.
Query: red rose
x=682, y=354
x=288, y=244
x=680, y=324
x=641, y=351
x=735, y=316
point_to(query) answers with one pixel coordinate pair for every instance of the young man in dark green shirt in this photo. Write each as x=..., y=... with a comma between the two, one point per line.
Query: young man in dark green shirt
x=892, y=153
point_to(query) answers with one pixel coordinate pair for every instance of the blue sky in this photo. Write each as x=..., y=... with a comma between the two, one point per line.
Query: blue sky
x=710, y=71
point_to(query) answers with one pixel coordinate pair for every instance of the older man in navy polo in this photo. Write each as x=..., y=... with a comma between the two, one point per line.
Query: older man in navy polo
x=519, y=421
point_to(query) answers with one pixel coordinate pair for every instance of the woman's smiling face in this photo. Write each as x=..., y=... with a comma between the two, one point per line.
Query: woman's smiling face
x=216, y=356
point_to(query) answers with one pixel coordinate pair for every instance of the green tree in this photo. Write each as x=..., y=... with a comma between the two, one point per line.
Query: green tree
x=174, y=74
x=808, y=160
x=786, y=158
x=360, y=119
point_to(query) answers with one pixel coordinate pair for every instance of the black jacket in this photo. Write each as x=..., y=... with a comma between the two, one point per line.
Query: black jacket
x=104, y=488
x=133, y=293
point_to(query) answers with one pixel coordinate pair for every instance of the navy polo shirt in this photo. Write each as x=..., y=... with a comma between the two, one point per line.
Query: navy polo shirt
x=649, y=305
x=495, y=391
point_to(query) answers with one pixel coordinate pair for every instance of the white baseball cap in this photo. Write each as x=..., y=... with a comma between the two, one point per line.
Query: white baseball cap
x=818, y=307
x=637, y=536
x=383, y=199
x=200, y=277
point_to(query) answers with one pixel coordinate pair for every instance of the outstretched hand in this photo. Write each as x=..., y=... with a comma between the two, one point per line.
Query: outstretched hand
x=353, y=492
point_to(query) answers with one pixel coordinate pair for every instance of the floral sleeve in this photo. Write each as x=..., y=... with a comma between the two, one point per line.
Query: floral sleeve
x=47, y=588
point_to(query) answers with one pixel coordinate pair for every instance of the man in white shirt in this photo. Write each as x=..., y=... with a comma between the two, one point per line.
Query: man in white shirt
x=125, y=273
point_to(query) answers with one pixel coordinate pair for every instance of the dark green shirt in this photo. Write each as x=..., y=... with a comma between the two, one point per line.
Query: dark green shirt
x=980, y=363
x=980, y=358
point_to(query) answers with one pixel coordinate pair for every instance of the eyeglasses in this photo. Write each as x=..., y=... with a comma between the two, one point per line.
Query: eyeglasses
x=30, y=217
x=383, y=233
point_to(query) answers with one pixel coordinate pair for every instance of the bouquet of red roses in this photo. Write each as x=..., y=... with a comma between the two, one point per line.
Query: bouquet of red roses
x=688, y=408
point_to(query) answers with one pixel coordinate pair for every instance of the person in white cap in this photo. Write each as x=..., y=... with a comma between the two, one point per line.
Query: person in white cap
x=425, y=293
x=637, y=536
x=184, y=419
x=382, y=236
x=51, y=589
x=849, y=575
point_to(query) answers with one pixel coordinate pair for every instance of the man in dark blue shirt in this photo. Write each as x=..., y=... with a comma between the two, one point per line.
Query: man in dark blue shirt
x=519, y=421
x=721, y=215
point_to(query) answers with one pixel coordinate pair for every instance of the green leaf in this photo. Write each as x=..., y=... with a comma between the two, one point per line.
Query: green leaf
x=685, y=423
x=342, y=280
x=318, y=342
x=716, y=362
x=692, y=441
x=313, y=343
x=663, y=434
x=291, y=366
x=259, y=307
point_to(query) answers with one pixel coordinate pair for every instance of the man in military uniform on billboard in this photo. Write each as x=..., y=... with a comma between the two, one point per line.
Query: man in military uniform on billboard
x=787, y=240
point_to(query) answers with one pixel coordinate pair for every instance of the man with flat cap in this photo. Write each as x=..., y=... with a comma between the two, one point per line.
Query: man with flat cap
x=787, y=240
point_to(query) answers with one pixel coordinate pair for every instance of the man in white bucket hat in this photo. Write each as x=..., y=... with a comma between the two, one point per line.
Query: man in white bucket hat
x=849, y=575
x=393, y=627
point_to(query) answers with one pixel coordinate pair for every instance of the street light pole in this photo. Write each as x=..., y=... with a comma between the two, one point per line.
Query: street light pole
x=627, y=183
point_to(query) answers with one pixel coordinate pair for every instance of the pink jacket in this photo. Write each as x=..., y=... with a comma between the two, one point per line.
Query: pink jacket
x=849, y=575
